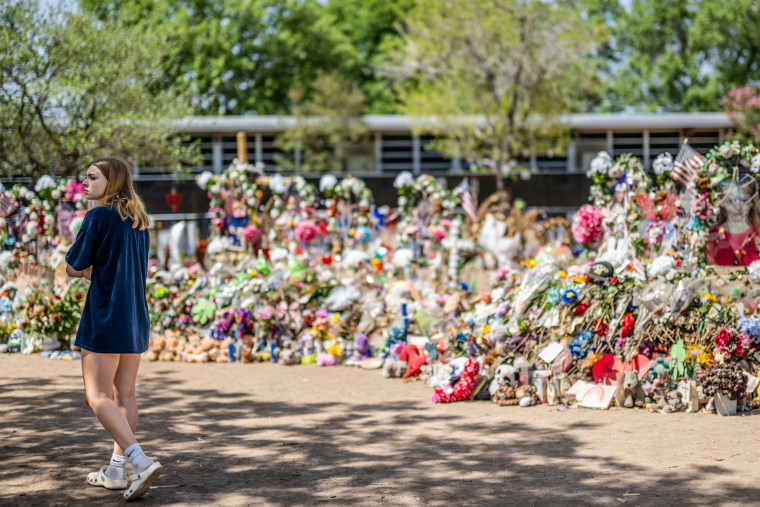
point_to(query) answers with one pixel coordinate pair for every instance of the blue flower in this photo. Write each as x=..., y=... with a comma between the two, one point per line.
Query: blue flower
x=553, y=297
x=569, y=297
x=751, y=326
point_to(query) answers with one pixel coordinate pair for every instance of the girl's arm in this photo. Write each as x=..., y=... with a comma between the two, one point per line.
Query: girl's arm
x=73, y=273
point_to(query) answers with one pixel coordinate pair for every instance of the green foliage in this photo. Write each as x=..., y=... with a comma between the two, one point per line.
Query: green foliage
x=239, y=56
x=326, y=125
x=62, y=103
x=509, y=67
x=682, y=55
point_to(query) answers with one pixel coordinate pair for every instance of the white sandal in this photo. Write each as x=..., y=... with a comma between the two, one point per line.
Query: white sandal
x=99, y=478
x=141, y=482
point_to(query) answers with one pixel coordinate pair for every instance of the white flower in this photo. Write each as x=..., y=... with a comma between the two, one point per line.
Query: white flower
x=755, y=165
x=327, y=182
x=663, y=163
x=55, y=194
x=203, y=178
x=726, y=151
x=403, y=179
x=600, y=164
x=277, y=184
x=402, y=201
x=402, y=257
x=45, y=181
x=754, y=272
x=661, y=265
x=616, y=172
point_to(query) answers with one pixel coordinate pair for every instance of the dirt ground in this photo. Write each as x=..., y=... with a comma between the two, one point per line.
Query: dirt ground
x=262, y=434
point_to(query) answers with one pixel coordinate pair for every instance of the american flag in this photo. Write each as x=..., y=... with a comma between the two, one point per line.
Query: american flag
x=468, y=206
x=686, y=165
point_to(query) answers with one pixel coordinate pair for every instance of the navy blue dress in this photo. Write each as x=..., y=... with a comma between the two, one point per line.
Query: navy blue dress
x=115, y=317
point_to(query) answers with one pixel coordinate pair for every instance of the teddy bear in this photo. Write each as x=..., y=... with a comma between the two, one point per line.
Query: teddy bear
x=670, y=402
x=505, y=374
x=394, y=367
x=288, y=354
x=629, y=391
x=464, y=387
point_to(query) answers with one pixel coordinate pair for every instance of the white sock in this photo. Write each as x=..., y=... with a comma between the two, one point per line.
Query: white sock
x=117, y=469
x=137, y=458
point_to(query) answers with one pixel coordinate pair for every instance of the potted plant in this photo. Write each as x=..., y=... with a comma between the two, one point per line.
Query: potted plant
x=727, y=383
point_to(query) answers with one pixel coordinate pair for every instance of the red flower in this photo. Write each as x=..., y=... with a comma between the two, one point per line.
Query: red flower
x=613, y=280
x=326, y=259
x=581, y=308
x=599, y=327
x=626, y=325
x=78, y=297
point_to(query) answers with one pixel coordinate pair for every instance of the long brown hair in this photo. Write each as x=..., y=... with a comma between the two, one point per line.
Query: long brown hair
x=120, y=192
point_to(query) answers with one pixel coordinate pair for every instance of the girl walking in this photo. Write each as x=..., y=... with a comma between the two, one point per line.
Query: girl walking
x=111, y=250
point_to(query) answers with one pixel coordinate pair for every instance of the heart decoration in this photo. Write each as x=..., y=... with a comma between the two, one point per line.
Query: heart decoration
x=173, y=200
x=606, y=369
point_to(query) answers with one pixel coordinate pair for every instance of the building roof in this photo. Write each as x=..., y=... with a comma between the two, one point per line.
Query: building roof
x=403, y=123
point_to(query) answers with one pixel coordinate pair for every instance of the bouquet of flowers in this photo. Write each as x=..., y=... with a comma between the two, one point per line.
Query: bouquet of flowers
x=731, y=344
x=53, y=314
x=724, y=378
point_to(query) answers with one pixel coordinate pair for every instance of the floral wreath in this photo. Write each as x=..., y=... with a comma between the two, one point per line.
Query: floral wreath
x=239, y=179
x=606, y=174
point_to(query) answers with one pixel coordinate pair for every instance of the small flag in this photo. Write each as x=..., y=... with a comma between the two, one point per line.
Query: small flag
x=686, y=165
x=468, y=206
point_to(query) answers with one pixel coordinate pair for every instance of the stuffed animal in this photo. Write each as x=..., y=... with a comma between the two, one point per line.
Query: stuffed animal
x=288, y=354
x=361, y=347
x=629, y=391
x=393, y=367
x=508, y=395
x=464, y=387
x=414, y=360
x=505, y=374
x=670, y=402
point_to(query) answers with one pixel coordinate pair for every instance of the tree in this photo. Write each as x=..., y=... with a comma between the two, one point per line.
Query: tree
x=682, y=55
x=326, y=125
x=370, y=25
x=495, y=73
x=239, y=56
x=71, y=92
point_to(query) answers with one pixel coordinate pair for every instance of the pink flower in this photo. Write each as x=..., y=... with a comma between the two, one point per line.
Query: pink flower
x=438, y=233
x=502, y=273
x=325, y=359
x=743, y=342
x=321, y=314
x=251, y=233
x=722, y=339
x=306, y=231
x=263, y=312
x=587, y=224
x=72, y=189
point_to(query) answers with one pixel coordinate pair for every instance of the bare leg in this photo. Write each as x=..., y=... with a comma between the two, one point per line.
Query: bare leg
x=99, y=374
x=124, y=392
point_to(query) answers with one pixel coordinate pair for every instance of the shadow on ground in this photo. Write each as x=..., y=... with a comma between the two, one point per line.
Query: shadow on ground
x=349, y=453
